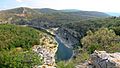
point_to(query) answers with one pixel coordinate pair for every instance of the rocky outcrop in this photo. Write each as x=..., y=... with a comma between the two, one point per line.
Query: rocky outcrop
x=101, y=59
x=46, y=49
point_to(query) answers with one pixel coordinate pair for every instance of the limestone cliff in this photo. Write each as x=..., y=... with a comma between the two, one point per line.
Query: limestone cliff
x=46, y=49
x=68, y=36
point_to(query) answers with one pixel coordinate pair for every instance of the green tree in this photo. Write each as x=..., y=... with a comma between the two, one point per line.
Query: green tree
x=103, y=39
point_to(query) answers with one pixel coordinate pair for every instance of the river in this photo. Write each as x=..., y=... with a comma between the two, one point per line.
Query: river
x=63, y=52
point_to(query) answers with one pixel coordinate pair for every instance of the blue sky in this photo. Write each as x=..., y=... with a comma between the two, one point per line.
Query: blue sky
x=89, y=5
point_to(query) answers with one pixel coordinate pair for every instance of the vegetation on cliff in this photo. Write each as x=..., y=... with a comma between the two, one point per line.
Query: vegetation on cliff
x=103, y=39
x=12, y=36
x=18, y=58
x=15, y=46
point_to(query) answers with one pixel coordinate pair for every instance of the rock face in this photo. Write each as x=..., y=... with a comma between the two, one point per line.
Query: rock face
x=101, y=59
x=68, y=37
x=46, y=49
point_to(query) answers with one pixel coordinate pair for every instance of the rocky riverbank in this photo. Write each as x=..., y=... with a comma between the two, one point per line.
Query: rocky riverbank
x=65, y=48
x=60, y=37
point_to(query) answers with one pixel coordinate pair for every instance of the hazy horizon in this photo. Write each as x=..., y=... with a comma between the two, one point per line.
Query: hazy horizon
x=86, y=5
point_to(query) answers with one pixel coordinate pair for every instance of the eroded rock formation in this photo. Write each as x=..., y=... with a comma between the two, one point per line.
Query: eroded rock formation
x=46, y=49
x=101, y=59
x=68, y=37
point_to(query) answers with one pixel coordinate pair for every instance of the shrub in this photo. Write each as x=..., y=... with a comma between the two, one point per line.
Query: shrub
x=12, y=36
x=65, y=64
x=19, y=59
x=104, y=39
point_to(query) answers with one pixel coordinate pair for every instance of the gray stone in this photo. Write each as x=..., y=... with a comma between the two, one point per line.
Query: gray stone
x=101, y=59
x=47, y=51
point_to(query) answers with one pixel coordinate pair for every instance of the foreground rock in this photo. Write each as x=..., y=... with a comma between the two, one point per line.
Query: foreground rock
x=101, y=59
x=46, y=49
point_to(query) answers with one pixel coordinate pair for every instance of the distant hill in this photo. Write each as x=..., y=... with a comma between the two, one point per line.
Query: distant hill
x=46, y=10
x=74, y=12
x=69, y=10
x=20, y=10
x=88, y=14
x=46, y=17
x=113, y=14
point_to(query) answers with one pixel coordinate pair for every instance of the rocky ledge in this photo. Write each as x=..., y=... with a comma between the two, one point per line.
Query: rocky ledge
x=47, y=49
x=101, y=59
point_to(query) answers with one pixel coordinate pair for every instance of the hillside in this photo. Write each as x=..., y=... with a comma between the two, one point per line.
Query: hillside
x=18, y=47
x=46, y=10
x=12, y=36
x=89, y=13
x=113, y=14
x=15, y=46
x=22, y=12
x=45, y=17
x=74, y=12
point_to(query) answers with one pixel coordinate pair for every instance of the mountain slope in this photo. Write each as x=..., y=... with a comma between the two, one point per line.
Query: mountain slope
x=17, y=13
x=45, y=17
x=113, y=14
x=90, y=13
x=46, y=10
x=74, y=12
x=21, y=10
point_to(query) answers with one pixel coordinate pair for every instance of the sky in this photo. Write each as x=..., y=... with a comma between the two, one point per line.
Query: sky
x=88, y=5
